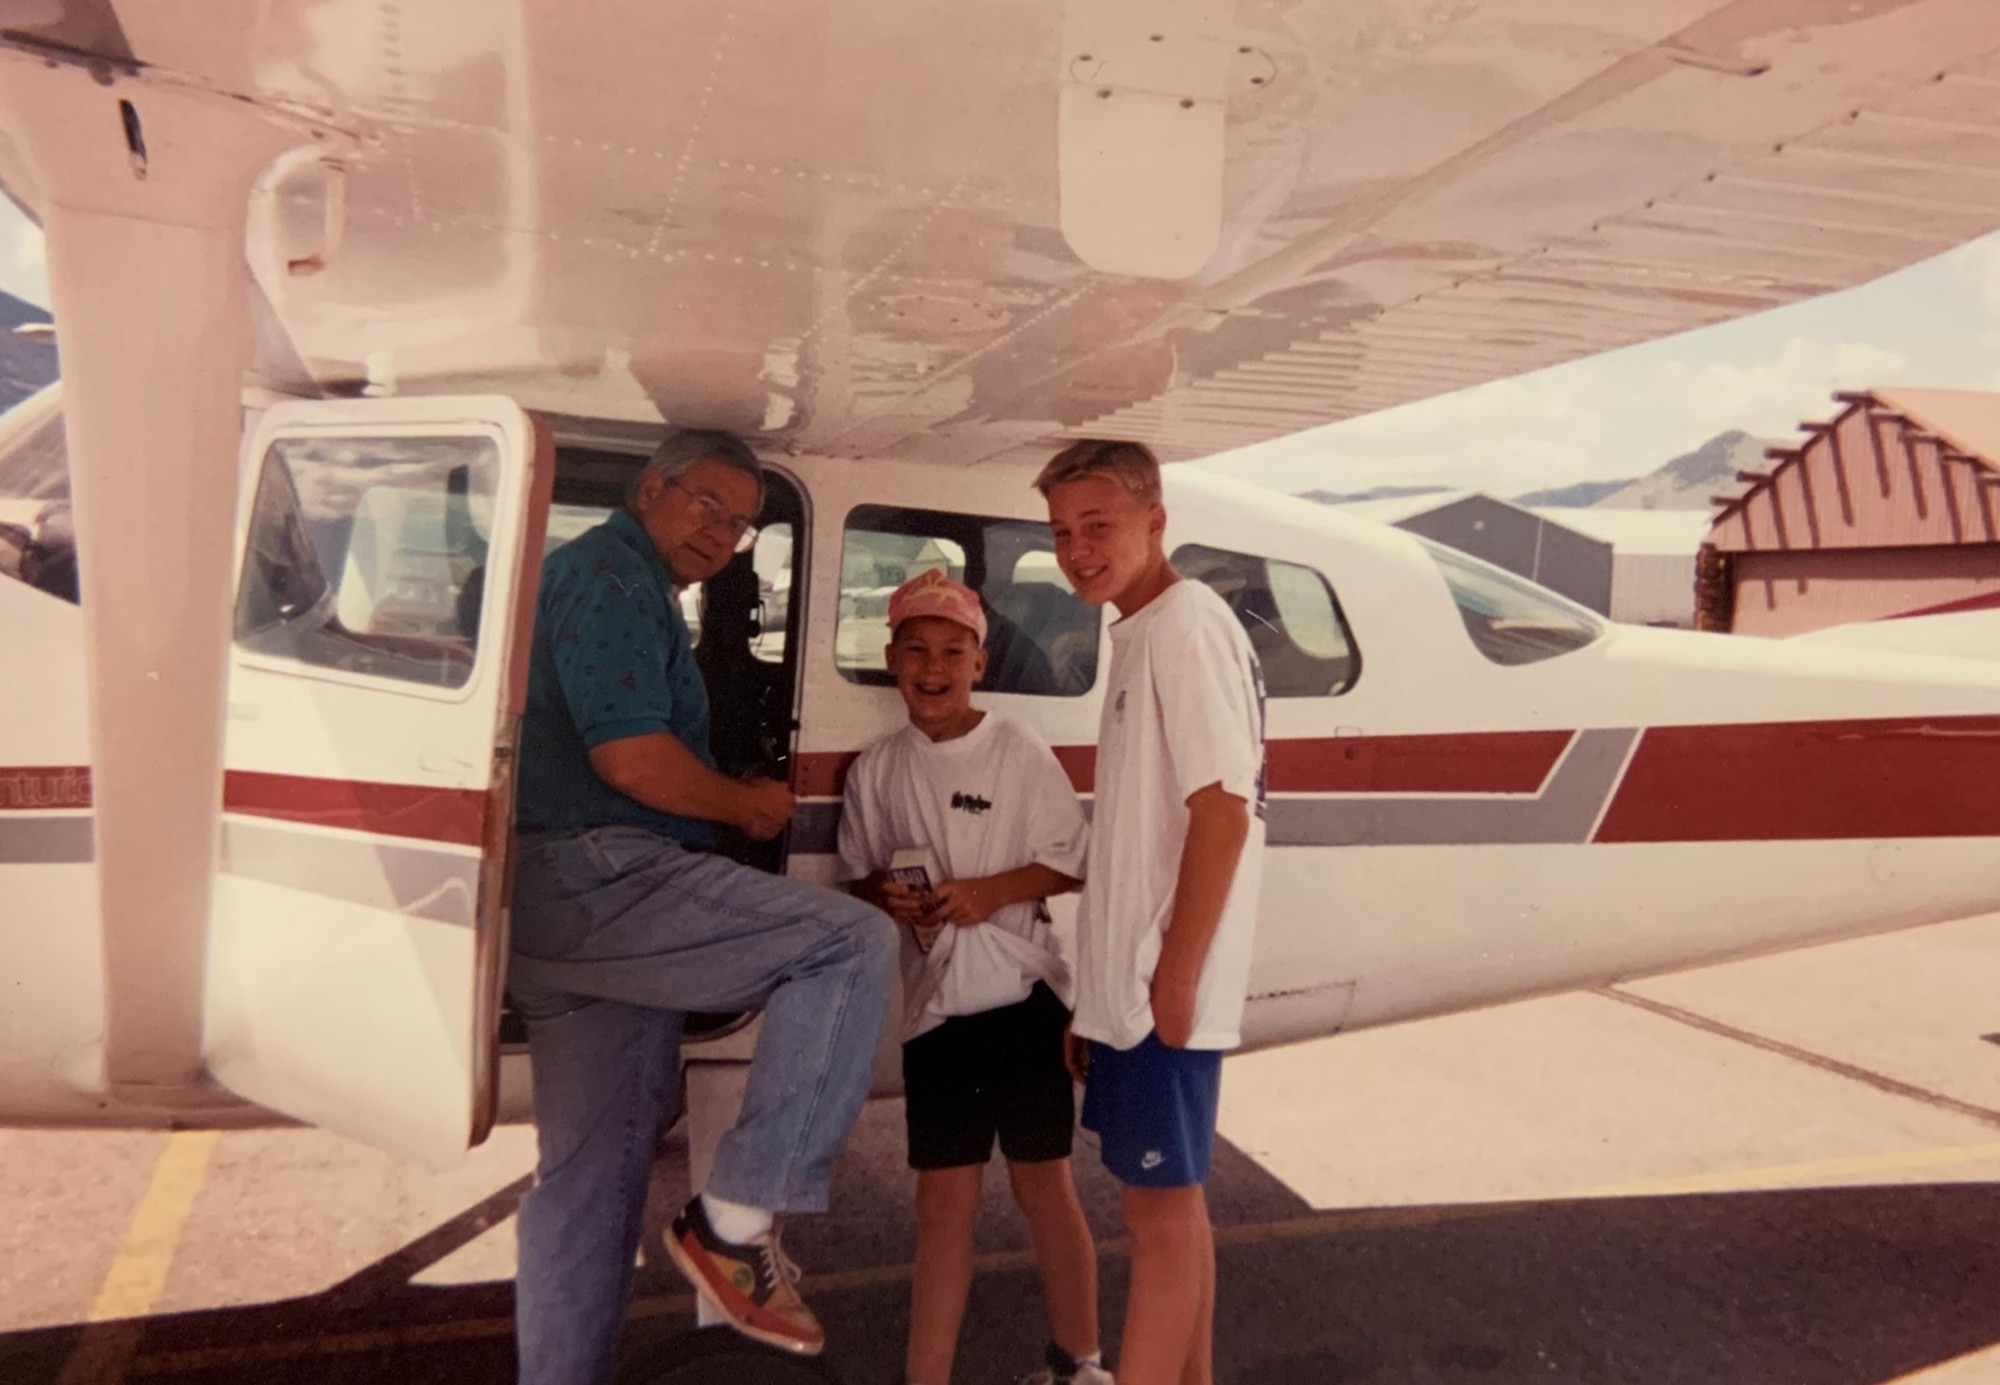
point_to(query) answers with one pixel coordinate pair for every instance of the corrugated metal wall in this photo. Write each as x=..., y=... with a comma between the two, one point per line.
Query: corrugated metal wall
x=1877, y=513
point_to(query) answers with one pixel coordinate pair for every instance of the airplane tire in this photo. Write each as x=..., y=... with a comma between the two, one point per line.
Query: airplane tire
x=718, y=1356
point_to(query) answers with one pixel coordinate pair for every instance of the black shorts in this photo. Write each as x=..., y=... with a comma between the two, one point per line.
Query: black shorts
x=1000, y=1072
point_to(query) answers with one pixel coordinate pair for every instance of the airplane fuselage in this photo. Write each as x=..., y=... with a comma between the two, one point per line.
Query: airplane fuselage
x=1478, y=792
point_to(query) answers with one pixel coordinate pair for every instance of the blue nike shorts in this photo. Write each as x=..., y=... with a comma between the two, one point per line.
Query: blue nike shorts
x=1153, y=1110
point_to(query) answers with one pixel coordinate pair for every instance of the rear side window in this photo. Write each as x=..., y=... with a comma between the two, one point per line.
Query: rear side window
x=1041, y=641
x=368, y=555
x=1510, y=619
x=1295, y=625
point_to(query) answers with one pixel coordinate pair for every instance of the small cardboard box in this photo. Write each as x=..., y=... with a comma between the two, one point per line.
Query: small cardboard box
x=916, y=868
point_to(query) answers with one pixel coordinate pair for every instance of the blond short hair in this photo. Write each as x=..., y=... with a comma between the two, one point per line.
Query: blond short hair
x=1131, y=464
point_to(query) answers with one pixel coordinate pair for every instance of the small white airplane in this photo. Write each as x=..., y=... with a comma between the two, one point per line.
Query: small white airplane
x=363, y=305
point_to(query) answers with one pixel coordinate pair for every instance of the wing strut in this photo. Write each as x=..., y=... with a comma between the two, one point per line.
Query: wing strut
x=142, y=184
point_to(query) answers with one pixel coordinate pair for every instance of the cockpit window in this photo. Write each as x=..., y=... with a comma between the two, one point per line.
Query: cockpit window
x=368, y=555
x=1295, y=626
x=1510, y=619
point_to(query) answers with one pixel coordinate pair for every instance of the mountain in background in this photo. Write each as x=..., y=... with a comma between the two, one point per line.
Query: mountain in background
x=1685, y=483
x=25, y=366
x=1579, y=496
x=1689, y=480
x=1373, y=493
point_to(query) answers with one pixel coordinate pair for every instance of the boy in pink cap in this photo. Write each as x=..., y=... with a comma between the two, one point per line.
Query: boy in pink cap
x=985, y=992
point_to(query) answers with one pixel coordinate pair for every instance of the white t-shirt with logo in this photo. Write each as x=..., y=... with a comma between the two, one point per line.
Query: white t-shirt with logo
x=993, y=800
x=1184, y=709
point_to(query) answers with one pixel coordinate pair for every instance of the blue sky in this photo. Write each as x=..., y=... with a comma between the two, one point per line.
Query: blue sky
x=1935, y=324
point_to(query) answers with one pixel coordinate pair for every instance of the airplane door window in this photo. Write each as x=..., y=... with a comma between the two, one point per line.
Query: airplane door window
x=1510, y=619
x=368, y=555
x=1290, y=613
x=1041, y=640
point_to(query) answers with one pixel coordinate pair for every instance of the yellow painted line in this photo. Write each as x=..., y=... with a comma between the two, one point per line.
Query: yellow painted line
x=1796, y=1175
x=871, y=1276
x=104, y=1353
x=139, y=1272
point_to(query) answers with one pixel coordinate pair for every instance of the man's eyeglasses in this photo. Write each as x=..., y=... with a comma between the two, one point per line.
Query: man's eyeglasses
x=713, y=516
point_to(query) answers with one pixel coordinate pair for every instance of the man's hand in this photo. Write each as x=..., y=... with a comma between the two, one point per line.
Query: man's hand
x=1076, y=1054
x=961, y=903
x=1173, y=1006
x=766, y=806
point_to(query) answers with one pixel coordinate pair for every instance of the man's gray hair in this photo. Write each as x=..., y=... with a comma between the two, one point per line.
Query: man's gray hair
x=683, y=449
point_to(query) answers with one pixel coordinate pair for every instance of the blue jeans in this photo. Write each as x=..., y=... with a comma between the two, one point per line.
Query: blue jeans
x=617, y=933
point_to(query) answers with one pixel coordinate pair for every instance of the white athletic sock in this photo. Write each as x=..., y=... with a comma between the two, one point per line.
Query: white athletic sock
x=733, y=1221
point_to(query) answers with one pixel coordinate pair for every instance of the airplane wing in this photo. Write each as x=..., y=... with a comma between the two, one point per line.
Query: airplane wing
x=945, y=232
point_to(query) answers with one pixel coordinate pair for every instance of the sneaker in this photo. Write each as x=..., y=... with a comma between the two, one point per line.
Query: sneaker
x=753, y=1284
x=1064, y=1369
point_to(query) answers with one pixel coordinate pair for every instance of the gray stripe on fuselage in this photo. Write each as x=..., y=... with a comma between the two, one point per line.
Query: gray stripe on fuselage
x=1564, y=811
x=46, y=841
x=423, y=882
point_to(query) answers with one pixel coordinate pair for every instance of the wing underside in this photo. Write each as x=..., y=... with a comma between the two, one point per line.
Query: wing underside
x=862, y=229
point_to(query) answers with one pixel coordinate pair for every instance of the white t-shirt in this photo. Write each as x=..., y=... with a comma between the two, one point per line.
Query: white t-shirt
x=1184, y=709
x=993, y=800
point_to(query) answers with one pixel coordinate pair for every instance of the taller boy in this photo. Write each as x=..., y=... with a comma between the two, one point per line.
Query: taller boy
x=1170, y=899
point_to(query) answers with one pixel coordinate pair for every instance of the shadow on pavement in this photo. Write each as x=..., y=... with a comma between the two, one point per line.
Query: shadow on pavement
x=1839, y=1287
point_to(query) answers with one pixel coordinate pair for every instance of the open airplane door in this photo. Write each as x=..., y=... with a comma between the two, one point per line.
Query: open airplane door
x=384, y=601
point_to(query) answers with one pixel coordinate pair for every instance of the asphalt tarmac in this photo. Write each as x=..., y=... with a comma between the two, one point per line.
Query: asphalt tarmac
x=1786, y=1171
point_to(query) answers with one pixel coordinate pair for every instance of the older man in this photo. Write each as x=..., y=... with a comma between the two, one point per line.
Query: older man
x=623, y=923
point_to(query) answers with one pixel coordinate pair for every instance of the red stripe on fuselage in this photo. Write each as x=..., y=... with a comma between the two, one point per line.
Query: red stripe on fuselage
x=394, y=810
x=1766, y=781
x=1511, y=762
x=39, y=788
x=1811, y=781
x=1495, y=762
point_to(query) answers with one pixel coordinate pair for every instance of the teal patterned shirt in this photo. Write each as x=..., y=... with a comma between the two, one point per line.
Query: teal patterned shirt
x=612, y=658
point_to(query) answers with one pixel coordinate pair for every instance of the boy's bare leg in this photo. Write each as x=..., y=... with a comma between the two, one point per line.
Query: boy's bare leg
x=1064, y=1250
x=1172, y=1296
x=947, y=1205
x=1200, y=1367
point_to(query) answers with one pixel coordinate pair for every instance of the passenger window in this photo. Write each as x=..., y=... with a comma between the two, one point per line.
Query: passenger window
x=37, y=533
x=1289, y=612
x=369, y=555
x=1510, y=619
x=1040, y=639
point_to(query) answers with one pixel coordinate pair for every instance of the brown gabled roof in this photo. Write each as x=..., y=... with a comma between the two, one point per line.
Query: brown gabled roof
x=1895, y=468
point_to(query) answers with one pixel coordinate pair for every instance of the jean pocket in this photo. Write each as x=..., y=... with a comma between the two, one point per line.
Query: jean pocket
x=617, y=851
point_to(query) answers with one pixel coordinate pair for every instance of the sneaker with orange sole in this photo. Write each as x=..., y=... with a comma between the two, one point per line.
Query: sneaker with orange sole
x=750, y=1283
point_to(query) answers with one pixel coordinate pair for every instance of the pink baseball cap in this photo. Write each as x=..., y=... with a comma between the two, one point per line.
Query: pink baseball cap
x=934, y=594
